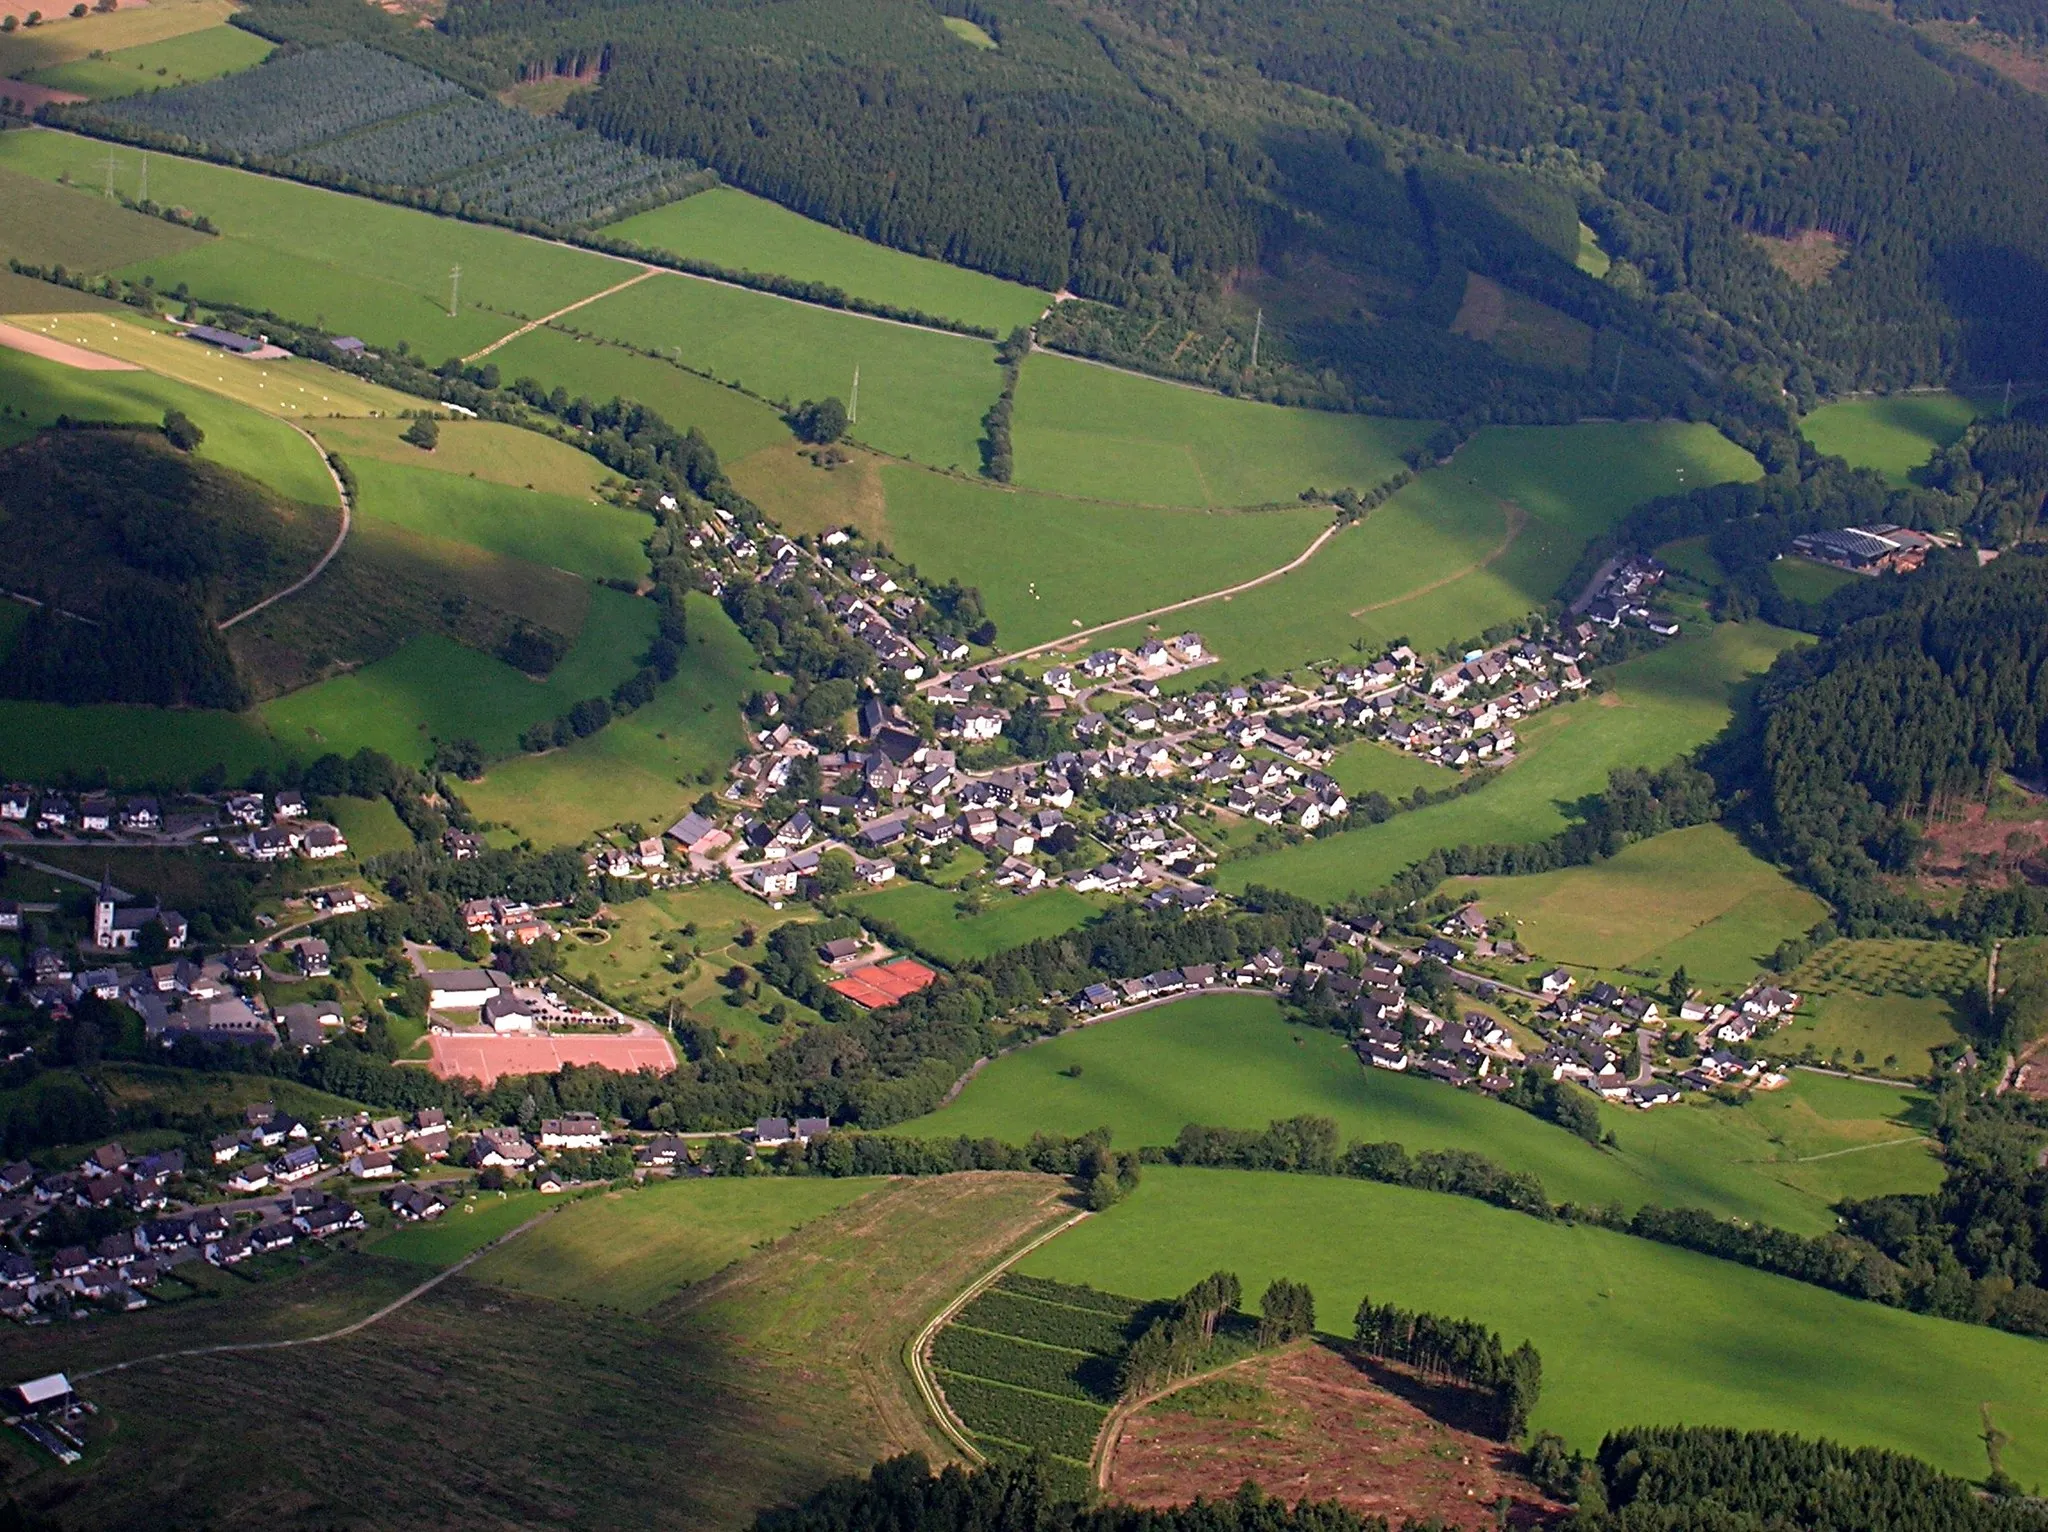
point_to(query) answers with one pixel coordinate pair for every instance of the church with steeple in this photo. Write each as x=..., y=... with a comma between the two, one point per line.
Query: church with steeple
x=115, y=929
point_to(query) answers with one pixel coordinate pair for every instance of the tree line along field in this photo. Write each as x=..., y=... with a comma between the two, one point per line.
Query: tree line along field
x=1232, y=1061
x=1893, y=435
x=727, y=227
x=1630, y=1332
x=186, y=59
x=1660, y=706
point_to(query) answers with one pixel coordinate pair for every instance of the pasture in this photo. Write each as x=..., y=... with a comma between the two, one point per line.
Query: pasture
x=477, y=449
x=62, y=37
x=349, y=264
x=734, y=424
x=136, y=746
x=238, y=437
x=1882, y=1006
x=731, y=228
x=1367, y=766
x=371, y=825
x=70, y=227
x=647, y=766
x=1661, y=705
x=477, y=1220
x=1046, y=566
x=204, y=54
x=598, y=540
x=628, y=1251
x=931, y=918
x=1696, y=899
x=1092, y=431
x=1804, y=580
x=922, y=393
x=1234, y=1061
x=1630, y=1332
x=803, y=495
x=1893, y=435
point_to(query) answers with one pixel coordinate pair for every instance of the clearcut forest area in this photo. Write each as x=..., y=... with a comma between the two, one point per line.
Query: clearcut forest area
x=998, y=737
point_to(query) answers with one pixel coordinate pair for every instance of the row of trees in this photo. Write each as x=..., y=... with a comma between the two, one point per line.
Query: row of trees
x=1459, y=1351
x=1177, y=1343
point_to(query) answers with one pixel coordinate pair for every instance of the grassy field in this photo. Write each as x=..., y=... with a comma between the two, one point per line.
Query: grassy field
x=632, y=1250
x=1366, y=766
x=205, y=54
x=733, y=423
x=477, y=449
x=1630, y=1332
x=1804, y=580
x=1883, y=1006
x=1697, y=899
x=237, y=437
x=1081, y=429
x=598, y=540
x=1593, y=261
x=1045, y=566
x=922, y=393
x=1662, y=705
x=63, y=226
x=353, y=265
x=729, y=228
x=647, y=766
x=62, y=36
x=1485, y=540
x=480, y=1218
x=433, y=688
x=1233, y=1061
x=929, y=917
x=1893, y=435
x=136, y=746
x=371, y=825
x=803, y=495
x=968, y=32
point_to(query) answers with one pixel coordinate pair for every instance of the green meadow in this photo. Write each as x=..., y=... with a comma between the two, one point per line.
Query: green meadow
x=598, y=540
x=930, y=917
x=646, y=767
x=476, y=449
x=1630, y=1332
x=730, y=228
x=36, y=392
x=187, y=59
x=1894, y=435
x=1367, y=766
x=372, y=826
x=1484, y=540
x=1695, y=899
x=1884, y=1005
x=1083, y=429
x=135, y=746
x=1804, y=580
x=477, y=1220
x=350, y=264
x=50, y=225
x=433, y=688
x=922, y=392
x=1046, y=566
x=1661, y=705
x=735, y=425
x=1234, y=1061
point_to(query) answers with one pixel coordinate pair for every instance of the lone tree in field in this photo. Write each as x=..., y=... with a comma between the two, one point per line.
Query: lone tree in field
x=180, y=432
x=819, y=421
x=424, y=433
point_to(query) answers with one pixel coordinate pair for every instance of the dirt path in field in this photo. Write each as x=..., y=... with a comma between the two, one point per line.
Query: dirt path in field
x=50, y=349
x=340, y=537
x=534, y=324
x=1517, y=519
x=331, y=1335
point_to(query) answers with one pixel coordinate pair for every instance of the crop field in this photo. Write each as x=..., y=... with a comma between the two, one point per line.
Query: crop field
x=204, y=54
x=434, y=688
x=477, y=449
x=628, y=1251
x=1696, y=899
x=1882, y=1006
x=929, y=917
x=922, y=393
x=598, y=540
x=1662, y=705
x=1804, y=580
x=648, y=766
x=1045, y=566
x=1894, y=435
x=1482, y=541
x=66, y=226
x=38, y=391
x=1630, y=1332
x=1232, y=1061
x=1087, y=430
x=730, y=228
x=62, y=37
x=733, y=423
x=350, y=264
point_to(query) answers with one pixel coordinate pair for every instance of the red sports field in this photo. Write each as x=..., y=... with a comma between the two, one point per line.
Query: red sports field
x=884, y=984
x=484, y=1059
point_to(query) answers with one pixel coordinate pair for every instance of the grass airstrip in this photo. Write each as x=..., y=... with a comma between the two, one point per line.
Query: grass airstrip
x=1630, y=1332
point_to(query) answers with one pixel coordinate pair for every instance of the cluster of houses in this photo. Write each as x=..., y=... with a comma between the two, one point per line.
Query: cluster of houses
x=509, y=922
x=1620, y=593
x=271, y=829
x=1880, y=548
x=501, y=1005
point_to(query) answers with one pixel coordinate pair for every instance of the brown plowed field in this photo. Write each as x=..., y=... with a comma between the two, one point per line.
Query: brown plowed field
x=1311, y=1424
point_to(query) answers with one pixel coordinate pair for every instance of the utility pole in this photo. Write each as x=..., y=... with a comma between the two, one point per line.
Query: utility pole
x=1258, y=325
x=110, y=175
x=454, y=289
x=853, y=405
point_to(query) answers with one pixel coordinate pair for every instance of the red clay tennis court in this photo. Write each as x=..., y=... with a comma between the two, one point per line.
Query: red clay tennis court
x=884, y=984
x=484, y=1059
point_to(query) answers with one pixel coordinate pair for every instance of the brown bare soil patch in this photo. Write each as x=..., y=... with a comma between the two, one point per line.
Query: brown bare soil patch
x=1807, y=257
x=26, y=95
x=1520, y=328
x=1314, y=1424
x=1971, y=845
x=2025, y=66
x=50, y=349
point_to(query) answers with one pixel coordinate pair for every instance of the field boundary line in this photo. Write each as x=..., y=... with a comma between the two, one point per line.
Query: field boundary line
x=330, y=1335
x=920, y=1371
x=326, y=558
x=534, y=324
x=1835, y=1154
x=1517, y=520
